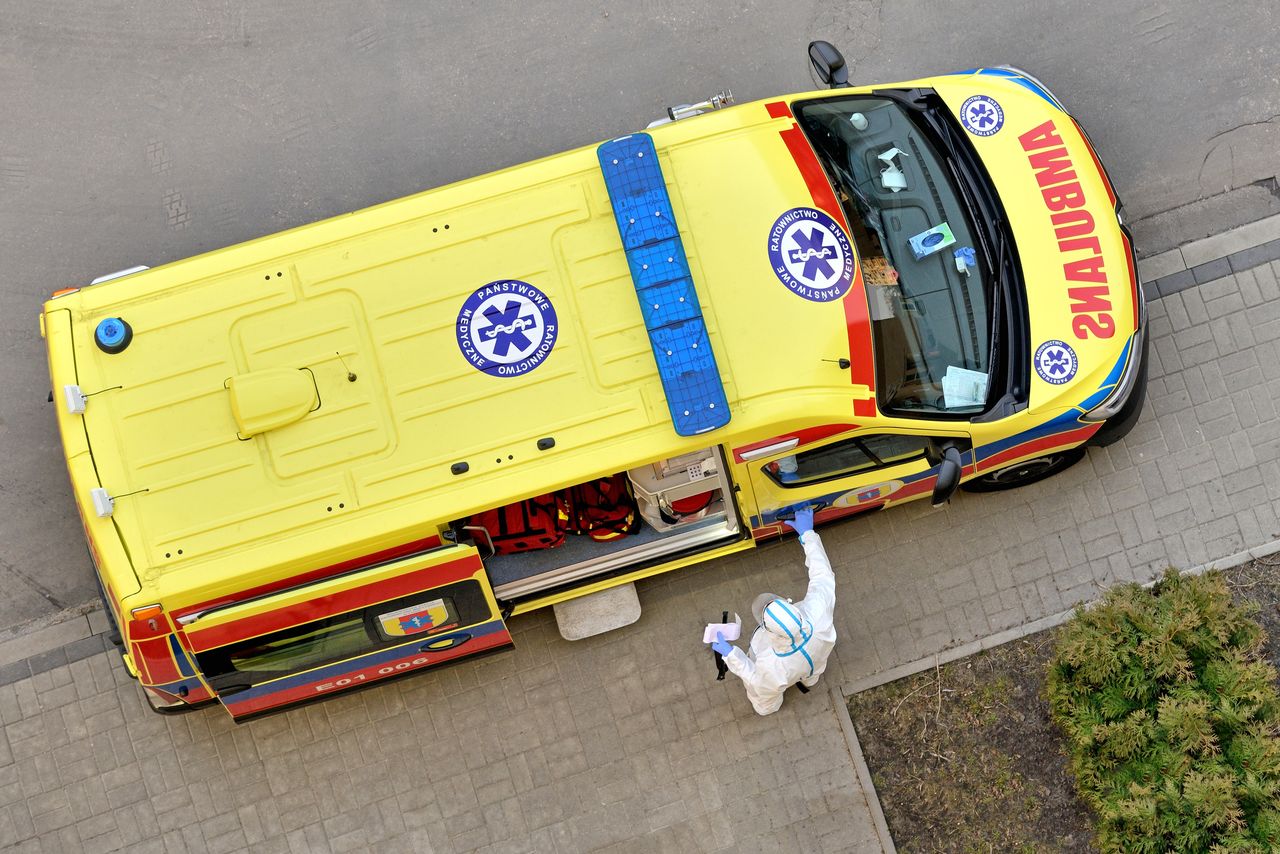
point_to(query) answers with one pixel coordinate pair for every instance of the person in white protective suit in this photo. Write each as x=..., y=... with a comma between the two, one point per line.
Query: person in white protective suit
x=793, y=639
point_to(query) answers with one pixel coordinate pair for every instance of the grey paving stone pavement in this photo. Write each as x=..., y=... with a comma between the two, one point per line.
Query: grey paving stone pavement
x=625, y=742
x=619, y=743
x=1197, y=479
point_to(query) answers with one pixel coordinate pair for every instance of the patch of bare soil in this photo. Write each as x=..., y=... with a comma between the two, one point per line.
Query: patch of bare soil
x=965, y=758
x=1258, y=582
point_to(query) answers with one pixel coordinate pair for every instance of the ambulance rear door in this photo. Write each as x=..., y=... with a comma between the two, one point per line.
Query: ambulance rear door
x=346, y=631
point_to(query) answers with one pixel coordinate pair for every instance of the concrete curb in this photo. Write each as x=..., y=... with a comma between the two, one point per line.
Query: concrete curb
x=893, y=674
x=51, y=632
x=1210, y=248
x=1201, y=261
x=864, y=773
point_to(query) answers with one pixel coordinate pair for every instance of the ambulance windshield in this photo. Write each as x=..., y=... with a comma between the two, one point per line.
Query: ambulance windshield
x=929, y=297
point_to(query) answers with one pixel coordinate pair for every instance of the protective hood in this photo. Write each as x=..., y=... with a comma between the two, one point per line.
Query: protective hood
x=789, y=632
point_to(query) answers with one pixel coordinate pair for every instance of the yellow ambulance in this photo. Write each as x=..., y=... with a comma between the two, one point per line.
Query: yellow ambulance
x=353, y=450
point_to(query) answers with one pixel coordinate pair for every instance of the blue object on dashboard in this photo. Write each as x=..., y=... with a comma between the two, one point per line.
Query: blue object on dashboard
x=664, y=285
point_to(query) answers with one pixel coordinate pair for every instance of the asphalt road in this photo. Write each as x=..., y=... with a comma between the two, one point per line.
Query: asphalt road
x=145, y=131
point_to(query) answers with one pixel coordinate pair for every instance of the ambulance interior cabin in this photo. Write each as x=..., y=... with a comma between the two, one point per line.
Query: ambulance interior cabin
x=644, y=516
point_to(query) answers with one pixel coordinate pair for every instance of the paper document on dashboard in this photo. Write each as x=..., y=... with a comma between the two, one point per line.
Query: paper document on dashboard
x=962, y=387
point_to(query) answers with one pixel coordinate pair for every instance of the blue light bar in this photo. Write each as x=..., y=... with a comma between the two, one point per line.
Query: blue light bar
x=664, y=286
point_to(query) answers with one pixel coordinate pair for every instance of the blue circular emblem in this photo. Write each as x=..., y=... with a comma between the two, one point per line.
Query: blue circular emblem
x=112, y=335
x=811, y=255
x=1056, y=362
x=506, y=328
x=981, y=115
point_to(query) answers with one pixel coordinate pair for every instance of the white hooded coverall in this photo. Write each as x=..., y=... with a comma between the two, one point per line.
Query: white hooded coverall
x=794, y=640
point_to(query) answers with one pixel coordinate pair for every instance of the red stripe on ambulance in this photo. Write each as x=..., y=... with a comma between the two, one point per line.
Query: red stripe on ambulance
x=856, y=314
x=1045, y=443
x=804, y=437
x=778, y=110
x=335, y=603
x=1082, y=262
x=316, y=574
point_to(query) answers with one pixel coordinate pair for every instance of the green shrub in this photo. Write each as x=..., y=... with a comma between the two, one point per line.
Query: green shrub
x=1172, y=719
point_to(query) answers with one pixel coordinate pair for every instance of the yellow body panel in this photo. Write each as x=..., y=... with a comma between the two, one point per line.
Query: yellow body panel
x=1081, y=294
x=114, y=566
x=375, y=295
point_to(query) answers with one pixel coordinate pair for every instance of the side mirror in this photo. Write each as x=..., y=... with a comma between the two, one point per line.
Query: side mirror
x=828, y=64
x=949, y=471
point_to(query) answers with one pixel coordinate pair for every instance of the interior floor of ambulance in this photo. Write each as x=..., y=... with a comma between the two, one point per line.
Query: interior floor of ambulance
x=662, y=530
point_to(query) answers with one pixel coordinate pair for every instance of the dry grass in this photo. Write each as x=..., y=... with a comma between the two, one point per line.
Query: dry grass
x=965, y=759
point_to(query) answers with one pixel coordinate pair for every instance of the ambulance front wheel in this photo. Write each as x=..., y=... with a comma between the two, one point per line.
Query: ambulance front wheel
x=1025, y=472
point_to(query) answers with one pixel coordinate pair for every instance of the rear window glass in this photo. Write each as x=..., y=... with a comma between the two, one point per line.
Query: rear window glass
x=246, y=663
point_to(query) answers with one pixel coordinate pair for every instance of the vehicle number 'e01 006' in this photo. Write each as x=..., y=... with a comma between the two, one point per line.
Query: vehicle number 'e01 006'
x=362, y=677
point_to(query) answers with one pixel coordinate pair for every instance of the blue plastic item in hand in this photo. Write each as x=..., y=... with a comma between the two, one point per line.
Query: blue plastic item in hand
x=721, y=645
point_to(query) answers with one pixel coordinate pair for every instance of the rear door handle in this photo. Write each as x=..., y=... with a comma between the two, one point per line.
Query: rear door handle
x=445, y=643
x=487, y=536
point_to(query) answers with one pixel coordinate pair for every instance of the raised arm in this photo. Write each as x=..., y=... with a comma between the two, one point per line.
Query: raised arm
x=820, y=598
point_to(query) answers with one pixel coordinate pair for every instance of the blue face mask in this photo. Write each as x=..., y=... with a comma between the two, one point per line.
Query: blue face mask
x=785, y=617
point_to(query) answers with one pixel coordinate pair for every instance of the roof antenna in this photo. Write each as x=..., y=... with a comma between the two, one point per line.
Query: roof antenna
x=350, y=376
x=843, y=363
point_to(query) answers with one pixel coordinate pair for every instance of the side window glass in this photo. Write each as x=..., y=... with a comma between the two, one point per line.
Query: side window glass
x=847, y=457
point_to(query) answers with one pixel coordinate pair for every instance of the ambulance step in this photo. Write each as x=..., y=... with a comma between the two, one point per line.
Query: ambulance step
x=664, y=285
x=598, y=613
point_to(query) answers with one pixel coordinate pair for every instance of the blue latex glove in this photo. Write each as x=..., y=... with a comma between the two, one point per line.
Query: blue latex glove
x=721, y=645
x=803, y=520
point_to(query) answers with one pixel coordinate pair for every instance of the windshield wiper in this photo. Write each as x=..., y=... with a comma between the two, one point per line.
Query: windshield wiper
x=997, y=292
x=912, y=99
x=976, y=198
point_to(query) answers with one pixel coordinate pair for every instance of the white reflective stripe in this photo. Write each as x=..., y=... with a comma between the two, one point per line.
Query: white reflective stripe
x=769, y=450
x=128, y=271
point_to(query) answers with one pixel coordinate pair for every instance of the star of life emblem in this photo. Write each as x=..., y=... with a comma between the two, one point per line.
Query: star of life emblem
x=1056, y=362
x=811, y=255
x=506, y=328
x=981, y=115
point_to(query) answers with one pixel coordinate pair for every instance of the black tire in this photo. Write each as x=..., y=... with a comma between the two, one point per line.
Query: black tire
x=1024, y=473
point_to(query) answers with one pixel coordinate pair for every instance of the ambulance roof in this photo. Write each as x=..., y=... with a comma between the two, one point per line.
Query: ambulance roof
x=368, y=305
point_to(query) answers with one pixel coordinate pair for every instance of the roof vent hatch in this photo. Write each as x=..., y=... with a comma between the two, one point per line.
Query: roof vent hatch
x=270, y=399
